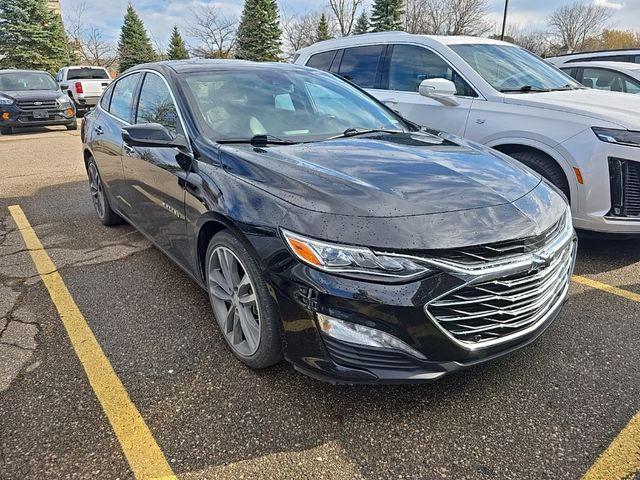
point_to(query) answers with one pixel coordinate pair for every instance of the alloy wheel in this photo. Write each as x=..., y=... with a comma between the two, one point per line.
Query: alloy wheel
x=234, y=301
x=97, y=192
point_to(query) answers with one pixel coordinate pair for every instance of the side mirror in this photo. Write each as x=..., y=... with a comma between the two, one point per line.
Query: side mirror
x=440, y=89
x=152, y=135
x=64, y=87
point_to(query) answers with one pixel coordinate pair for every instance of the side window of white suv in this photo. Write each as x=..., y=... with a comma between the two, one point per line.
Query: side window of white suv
x=411, y=64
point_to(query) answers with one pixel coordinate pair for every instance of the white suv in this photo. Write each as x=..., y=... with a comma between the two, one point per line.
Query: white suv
x=584, y=141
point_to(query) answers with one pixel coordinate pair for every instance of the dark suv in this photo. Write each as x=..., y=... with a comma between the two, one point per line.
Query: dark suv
x=32, y=98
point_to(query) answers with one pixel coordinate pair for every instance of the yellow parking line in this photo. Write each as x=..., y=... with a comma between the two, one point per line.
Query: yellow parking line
x=607, y=288
x=140, y=448
x=621, y=460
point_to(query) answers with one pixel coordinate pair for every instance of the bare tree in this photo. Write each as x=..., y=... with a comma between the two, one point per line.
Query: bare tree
x=215, y=33
x=88, y=41
x=345, y=12
x=573, y=24
x=536, y=41
x=447, y=17
x=298, y=32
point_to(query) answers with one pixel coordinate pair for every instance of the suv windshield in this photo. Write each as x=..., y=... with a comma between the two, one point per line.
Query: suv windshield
x=292, y=105
x=513, y=69
x=87, y=74
x=18, y=81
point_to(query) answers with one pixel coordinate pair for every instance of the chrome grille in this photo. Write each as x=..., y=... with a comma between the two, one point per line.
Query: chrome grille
x=44, y=105
x=499, y=300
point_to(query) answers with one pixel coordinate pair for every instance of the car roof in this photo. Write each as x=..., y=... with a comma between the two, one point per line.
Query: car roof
x=612, y=65
x=602, y=52
x=203, y=65
x=85, y=66
x=388, y=37
x=15, y=70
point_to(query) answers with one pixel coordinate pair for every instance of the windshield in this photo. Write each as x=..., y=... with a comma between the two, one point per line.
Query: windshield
x=512, y=69
x=87, y=74
x=18, y=81
x=293, y=105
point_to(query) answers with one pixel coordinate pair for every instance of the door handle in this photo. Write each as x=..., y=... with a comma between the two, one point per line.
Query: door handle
x=98, y=130
x=128, y=150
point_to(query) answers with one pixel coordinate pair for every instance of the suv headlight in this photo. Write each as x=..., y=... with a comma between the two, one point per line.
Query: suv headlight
x=346, y=259
x=618, y=136
x=6, y=101
x=63, y=100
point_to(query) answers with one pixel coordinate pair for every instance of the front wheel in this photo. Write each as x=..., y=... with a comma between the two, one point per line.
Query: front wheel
x=242, y=306
x=99, y=196
x=546, y=167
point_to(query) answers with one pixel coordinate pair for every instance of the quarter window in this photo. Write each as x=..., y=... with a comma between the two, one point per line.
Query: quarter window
x=360, y=65
x=122, y=97
x=322, y=60
x=156, y=104
x=411, y=64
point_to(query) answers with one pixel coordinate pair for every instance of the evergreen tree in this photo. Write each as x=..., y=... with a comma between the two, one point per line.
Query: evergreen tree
x=362, y=24
x=177, y=48
x=322, y=32
x=258, y=36
x=134, y=46
x=387, y=15
x=32, y=36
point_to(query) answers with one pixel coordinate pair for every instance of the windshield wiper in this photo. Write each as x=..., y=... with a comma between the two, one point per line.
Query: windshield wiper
x=260, y=140
x=524, y=89
x=352, y=132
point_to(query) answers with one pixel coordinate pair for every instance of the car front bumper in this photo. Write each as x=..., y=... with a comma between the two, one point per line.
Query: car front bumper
x=13, y=116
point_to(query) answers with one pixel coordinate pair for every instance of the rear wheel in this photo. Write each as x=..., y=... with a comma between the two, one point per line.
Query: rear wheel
x=546, y=167
x=242, y=306
x=99, y=197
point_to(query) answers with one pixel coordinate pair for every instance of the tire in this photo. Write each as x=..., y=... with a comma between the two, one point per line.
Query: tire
x=245, y=312
x=546, y=167
x=6, y=130
x=74, y=125
x=100, y=198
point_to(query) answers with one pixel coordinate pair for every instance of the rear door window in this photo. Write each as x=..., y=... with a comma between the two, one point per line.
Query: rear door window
x=603, y=79
x=322, y=60
x=123, y=97
x=360, y=65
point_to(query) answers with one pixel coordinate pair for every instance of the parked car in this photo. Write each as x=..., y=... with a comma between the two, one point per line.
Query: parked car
x=609, y=76
x=586, y=142
x=630, y=55
x=83, y=84
x=324, y=227
x=32, y=98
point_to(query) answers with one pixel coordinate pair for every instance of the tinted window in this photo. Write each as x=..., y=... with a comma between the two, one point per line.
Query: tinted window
x=411, y=64
x=360, y=65
x=106, y=98
x=636, y=59
x=614, y=58
x=122, y=97
x=155, y=104
x=322, y=60
x=87, y=74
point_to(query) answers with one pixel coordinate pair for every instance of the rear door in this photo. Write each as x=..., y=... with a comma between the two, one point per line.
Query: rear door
x=105, y=125
x=405, y=68
x=156, y=176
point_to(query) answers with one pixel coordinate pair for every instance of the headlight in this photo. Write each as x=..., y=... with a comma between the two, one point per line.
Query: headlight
x=6, y=101
x=335, y=258
x=64, y=100
x=617, y=136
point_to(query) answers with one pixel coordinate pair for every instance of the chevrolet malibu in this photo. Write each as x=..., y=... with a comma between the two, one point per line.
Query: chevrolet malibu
x=325, y=228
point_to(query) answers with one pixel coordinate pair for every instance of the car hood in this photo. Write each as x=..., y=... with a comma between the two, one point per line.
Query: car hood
x=615, y=107
x=382, y=175
x=31, y=95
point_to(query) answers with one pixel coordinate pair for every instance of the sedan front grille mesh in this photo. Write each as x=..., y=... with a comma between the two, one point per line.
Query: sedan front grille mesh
x=490, y=310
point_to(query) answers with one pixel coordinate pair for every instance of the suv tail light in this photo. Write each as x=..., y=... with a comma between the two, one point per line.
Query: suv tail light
x=79, y=87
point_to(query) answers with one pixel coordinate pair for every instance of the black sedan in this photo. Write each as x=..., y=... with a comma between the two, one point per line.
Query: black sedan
x=325, y=228
x=30, y=98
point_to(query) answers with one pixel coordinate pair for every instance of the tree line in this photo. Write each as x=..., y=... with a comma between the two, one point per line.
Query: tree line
x=32, y=36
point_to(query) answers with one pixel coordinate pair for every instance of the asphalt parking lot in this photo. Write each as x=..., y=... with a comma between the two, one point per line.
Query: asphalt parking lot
x=554, y=410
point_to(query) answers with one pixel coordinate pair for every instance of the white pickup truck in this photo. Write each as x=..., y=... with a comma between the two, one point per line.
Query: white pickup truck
x=83, y=84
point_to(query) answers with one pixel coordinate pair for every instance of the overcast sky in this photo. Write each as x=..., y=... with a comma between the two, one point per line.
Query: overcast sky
x=159, y=16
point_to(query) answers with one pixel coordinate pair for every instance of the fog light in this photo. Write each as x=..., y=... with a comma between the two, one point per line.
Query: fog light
x=5, y=115
x=70, y=112
x=359, y=334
